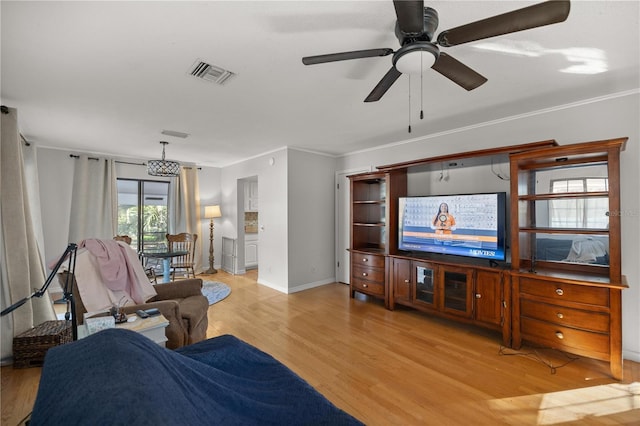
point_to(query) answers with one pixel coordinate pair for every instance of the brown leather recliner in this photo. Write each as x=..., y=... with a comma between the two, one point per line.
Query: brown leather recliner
x=181, y=302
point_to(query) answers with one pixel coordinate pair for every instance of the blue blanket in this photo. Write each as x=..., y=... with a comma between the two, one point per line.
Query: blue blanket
x=119, y=377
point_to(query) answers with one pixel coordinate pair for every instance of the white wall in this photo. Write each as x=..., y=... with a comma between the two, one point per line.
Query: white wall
x=55, y=174
x=596, y=119
x=272, y=178
x=311, y=214
x=296, y=216
x=458, y=181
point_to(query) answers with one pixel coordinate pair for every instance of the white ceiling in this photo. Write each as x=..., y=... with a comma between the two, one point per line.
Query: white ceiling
x=107, y=77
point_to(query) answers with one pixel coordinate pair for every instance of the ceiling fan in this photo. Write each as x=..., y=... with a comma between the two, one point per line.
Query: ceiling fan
x=415, y=28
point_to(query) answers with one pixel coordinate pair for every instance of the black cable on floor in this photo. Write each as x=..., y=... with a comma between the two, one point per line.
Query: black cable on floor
x=534, y=355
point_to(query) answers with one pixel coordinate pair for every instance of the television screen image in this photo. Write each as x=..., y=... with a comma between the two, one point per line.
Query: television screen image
x=465, y=224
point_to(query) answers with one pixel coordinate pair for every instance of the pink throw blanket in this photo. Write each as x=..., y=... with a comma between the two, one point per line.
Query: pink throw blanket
x=118, y=264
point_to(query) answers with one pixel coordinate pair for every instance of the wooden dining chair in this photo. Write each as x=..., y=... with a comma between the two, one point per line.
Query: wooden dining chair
x=182, y=242
x=125, y=238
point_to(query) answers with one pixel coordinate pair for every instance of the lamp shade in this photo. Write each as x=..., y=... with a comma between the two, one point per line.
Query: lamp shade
x=416, y=57
x=212, y=211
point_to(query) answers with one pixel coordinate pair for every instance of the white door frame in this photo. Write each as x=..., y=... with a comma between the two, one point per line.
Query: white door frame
x=240, y=241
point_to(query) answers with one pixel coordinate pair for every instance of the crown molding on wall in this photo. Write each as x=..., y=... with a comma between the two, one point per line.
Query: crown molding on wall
x=499, y=121
x=397, y=143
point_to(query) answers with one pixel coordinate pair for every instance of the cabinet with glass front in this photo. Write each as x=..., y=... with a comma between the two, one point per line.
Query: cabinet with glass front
x=566, y=250
x=565, y=206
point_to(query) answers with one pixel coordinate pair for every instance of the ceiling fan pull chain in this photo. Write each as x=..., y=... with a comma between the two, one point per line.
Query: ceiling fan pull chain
x=421, y=91
x=409, y=77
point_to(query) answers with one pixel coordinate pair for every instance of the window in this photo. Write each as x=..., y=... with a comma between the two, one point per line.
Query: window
x=142, y=212
x=587, y=212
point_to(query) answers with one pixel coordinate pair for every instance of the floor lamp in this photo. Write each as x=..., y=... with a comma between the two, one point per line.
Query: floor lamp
x=211, y=212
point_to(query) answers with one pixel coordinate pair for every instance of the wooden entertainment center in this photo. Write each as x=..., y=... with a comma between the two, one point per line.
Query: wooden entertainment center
x=562, y=286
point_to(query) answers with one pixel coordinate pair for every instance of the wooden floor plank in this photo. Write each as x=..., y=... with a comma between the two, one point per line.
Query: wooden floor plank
x=400, y=367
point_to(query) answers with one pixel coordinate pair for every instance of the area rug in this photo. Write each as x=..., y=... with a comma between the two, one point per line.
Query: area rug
x=215, y=291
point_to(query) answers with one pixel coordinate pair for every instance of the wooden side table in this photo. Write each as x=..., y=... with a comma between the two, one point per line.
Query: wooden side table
x=152, y=327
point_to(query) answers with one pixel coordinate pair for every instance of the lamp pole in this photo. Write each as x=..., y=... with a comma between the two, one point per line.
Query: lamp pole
x=211, y=269
x=211, y=212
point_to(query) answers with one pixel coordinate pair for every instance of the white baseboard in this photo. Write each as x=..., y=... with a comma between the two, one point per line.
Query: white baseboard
x=271, y=285
x=314, y=284
x=631, y=355
x=297, y=288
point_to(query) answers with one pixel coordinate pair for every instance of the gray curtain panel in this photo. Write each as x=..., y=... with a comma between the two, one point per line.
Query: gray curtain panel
x=184, y=208
x=94, y=201
x=22, y=269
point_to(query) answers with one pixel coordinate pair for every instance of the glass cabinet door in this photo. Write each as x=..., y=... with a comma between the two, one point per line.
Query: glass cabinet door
x=425, y=284
x=565, y=201
x=457, y=286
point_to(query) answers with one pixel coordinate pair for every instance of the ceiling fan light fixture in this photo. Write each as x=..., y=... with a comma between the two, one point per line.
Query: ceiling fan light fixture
x=163, y=168
x=415, y=58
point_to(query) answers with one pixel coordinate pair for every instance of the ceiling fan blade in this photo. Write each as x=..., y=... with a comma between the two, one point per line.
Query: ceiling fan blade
x=410, y=16
x=344, y=56
x=537, y=15
x=383, y=85
x=458, y=72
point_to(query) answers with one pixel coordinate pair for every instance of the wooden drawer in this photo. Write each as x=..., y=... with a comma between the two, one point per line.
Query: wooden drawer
x=565, y=338
x=366, y=286
x=557, y=292
x=367, y=260
x=591, y=321
x=368, y=273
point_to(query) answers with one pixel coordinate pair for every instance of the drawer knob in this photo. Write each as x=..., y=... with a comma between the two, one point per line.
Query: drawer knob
x=365, y=259
x=364, y=274
x=365, y=285
x=478, y=296
x=559, y=335
x=560, y=315
x=407, y=281
x=559, y=291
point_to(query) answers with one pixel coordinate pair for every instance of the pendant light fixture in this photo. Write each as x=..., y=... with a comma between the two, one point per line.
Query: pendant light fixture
x=164, y=168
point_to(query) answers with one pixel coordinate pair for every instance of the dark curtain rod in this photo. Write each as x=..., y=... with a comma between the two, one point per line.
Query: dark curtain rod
x=77, y=156
x=126, y=162
x=117, y=161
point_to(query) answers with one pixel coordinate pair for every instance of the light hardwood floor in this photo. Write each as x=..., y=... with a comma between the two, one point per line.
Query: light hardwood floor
x=401, y=367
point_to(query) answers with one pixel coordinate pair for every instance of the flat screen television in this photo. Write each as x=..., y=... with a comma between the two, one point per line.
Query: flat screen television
x=470, y=225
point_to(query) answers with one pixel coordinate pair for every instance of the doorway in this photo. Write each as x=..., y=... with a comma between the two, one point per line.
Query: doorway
x=248, y=244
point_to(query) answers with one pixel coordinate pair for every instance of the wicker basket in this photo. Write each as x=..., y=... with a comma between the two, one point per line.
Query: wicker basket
x=30, y=347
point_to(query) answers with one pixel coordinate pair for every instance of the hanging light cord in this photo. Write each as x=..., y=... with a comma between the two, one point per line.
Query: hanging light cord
x=409, y=75
x=164, y=144
x=421, y=94
x=421, y=91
